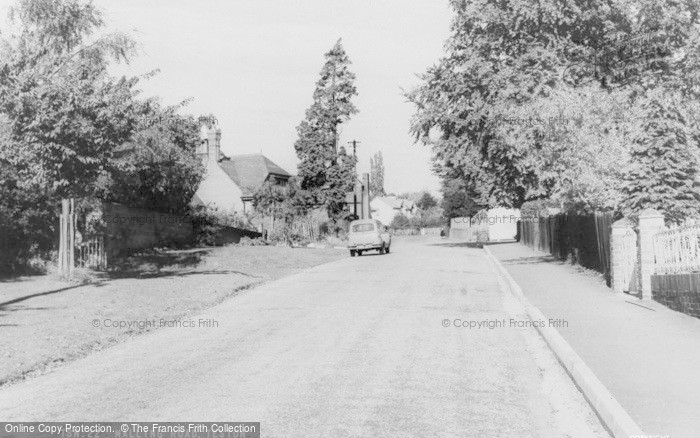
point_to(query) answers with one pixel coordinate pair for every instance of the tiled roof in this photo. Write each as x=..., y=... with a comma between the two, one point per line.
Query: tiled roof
x=391, y=201
x=250, y=171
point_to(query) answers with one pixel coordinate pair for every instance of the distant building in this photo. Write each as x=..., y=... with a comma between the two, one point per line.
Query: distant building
x=229, y=182
x=408, y=207
x=496, y=224
x=384, y=208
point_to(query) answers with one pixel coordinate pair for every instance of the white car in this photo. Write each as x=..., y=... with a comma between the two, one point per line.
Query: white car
x=366, y=235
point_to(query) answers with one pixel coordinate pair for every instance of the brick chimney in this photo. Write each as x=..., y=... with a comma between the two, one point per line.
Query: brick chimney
x=214, y=143
x=210, y=147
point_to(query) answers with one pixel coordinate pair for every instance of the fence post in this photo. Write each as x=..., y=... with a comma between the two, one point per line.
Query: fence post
x=618, y=231
x=650, y=222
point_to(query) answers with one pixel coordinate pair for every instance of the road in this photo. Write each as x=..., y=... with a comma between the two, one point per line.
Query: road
x=356, y=347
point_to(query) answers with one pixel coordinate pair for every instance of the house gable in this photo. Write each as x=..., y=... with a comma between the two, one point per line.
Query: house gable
x=229, y=182
x=219, y=190
x=384, y=208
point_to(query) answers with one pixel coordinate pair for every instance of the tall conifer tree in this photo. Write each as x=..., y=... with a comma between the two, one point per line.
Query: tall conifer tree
x=326, y=170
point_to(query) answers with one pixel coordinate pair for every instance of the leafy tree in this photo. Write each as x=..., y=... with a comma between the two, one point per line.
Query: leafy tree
x=62, y=117
x=430, y=217
x=580, y=153
x=69, y=129
x=426, y=201
x=376, y=175
x=500, y=56
x=159, y=169
x=505, y=60
x=537, y=208
x=400, y=221
x=66, y=112
x=327, y=171
x=458, y=200
x=282, y=202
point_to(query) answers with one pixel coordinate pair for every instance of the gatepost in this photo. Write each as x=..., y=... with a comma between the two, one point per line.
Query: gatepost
x=650, y=222
x=618, y=231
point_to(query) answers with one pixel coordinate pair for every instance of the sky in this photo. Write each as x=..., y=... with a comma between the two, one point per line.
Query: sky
x=254, y=64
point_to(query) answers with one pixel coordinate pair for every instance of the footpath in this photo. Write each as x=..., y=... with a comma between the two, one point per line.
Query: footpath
x=647, y=355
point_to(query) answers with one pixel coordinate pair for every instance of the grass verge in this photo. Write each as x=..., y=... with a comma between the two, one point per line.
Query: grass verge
x=46, y=322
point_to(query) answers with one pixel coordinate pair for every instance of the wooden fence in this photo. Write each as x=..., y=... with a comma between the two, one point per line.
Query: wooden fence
x=310, y=227
x=306, y=228
x=583, y=238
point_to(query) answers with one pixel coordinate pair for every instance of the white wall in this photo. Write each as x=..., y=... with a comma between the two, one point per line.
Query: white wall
x=219, y=190
x=503, y=223
x=382, y=212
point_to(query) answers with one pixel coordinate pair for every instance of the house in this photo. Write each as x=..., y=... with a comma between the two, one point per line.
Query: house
x=408, y=207
x=384, y=208
x=229, y=182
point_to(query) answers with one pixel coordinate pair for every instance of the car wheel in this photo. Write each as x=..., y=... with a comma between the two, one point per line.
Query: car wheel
x=359, y=253
x=352, y=253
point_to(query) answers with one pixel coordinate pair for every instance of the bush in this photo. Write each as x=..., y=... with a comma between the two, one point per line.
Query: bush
x=28, y=226
x=429, y=218
x=209, y=222
x=538, y=207
x=335, y=241
x=400, y=221
x=247, y=241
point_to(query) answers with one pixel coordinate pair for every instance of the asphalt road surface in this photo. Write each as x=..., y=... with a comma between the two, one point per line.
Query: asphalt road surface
x=364, y=346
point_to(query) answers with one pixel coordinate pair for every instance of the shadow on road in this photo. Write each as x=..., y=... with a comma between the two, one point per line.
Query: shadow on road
x=40, y=294
x=153, y=264
x=15, y=279
x=147, y=265
x=145, y=274
x=459, y=244
x=532, y=260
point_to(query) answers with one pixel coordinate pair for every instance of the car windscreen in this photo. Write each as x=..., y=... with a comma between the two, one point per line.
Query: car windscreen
x=361, y=228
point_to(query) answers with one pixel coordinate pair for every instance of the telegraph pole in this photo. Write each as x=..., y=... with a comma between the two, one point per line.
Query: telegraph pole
x=354, y=191
x=354, y=148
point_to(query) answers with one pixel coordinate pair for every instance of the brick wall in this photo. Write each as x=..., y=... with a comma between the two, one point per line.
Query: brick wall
x=679, y=292
x=130, y=229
